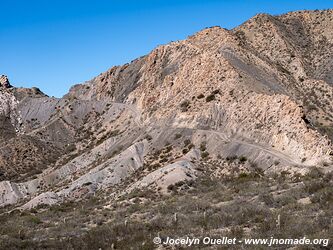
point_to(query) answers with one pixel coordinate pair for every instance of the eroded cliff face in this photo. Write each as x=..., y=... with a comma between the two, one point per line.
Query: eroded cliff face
x=9, y=115
x=4, y=82
x=261, y=91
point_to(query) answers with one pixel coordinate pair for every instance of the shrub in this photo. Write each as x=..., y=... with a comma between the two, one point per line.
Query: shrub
x=216, y=91
x=185, y=151
x=243, y=175
x=204, y=154
x=324, y=196
x=210, y=98
x=231, y=158
x=184, y=106
x=33, y=219
x=203, y=146
x=149, y=137
x=242, y=159
x=268, y=199
x=114, y=132
x=172, y=187
x=187, y=142
x=177, y=136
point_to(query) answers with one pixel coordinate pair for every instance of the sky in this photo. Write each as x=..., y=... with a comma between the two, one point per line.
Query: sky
x=56, y=44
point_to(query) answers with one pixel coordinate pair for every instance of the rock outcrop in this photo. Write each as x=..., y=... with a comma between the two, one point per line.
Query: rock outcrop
x=4, y=82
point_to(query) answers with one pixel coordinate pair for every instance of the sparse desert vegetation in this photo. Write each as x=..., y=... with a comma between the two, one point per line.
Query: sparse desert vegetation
x=246, y=205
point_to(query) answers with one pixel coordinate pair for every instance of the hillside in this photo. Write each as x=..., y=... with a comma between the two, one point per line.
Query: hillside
x=249, y=109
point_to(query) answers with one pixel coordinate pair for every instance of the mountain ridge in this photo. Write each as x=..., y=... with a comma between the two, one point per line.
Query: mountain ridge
x=254, y=91
x=226, y=132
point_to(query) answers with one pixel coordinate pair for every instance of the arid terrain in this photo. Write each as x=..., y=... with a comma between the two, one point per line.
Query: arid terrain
x=221, y=133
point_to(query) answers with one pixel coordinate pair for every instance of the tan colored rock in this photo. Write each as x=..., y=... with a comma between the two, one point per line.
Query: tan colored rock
x=262, y=91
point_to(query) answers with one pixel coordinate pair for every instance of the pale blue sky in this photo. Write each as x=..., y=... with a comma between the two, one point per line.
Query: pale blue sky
x=55, y=44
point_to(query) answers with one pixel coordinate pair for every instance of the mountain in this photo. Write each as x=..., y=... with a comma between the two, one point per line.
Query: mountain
x=221, y=103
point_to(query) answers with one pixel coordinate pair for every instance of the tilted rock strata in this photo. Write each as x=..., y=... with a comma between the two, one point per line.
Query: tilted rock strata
x=262, y=91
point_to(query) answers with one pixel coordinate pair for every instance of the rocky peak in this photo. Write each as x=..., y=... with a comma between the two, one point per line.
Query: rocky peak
x=4, y=82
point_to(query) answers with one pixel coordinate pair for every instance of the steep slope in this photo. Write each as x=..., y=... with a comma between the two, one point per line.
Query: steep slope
x=261, y=92
x=299, y=44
